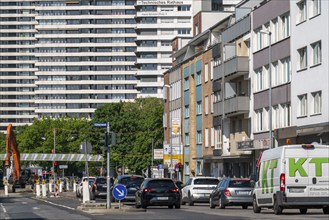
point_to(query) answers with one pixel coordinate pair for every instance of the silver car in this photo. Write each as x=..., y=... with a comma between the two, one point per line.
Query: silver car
x=232, y=192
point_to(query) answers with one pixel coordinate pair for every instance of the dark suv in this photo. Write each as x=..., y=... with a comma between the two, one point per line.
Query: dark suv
x=132, y=184
x=158, y=192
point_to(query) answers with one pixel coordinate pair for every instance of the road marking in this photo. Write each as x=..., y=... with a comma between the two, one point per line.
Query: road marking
x=4, y=212
x=55, y=204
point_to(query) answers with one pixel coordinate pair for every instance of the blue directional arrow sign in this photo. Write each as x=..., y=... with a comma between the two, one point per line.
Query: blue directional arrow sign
x=119, y=192
x=100, y=124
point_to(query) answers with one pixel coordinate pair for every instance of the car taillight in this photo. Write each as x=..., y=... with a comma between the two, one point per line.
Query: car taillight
x=149, y=190
x=227, y=192
x=174, y=190
x=282, y=182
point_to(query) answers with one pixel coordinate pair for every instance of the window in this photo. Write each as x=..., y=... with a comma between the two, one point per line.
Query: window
x=302, y=53
x=212, y=103
x=286, y=115
x=315, y=7
x=302, y=105
x=184, y=8
x=316, y=53
x=199, y=137
x=198, y=78
x=301, y=15
x=187, y=139
x=199, y=108
x=259, y=125
x=259, y=39
x=212, y=137
x=285, y=26
x=206, y=72
x=286, y=70
x=316, y=103
x=212, y=70
x=206, y=105
x=184, y=31
x=275, y=74
x=275, y=31
x=260, y=80
x=186, y=111
x=186, y=83
x=206, y=137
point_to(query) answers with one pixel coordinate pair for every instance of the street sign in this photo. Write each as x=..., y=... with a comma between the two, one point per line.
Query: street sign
x=100, y=124
x=158, y=154
x=119, y=192
x=63, y=166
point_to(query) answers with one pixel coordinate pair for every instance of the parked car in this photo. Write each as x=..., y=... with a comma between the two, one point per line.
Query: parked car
x=99, y=188
x=92, y=179
x=232, y=192
x=158, y=192
x=198, y=189
x=132, y=184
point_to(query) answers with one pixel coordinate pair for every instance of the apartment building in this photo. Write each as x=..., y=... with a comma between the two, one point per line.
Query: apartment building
x=65, y=58
x=310, y=71
x=271, y=27
x=158, y=22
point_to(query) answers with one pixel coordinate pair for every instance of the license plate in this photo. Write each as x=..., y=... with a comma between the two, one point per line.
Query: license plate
x=242, y=192
x=162, y=198
x=296, y=190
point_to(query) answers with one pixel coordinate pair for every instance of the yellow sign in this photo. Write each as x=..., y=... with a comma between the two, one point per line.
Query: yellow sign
x=175, y=126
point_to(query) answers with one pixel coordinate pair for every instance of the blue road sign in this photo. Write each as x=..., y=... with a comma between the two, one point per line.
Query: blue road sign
x=119, y=192
x=100, y=124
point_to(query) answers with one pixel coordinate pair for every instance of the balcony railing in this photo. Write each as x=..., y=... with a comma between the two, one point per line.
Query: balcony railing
x=232, y=106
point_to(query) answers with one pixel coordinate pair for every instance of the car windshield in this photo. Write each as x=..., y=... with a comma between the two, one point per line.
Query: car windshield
x=240, y=183
x=131, y=181
x=101, y=180
x=206, y=181
x=168, y=184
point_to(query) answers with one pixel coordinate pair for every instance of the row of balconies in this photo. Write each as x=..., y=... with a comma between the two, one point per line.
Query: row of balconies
x=232, y=106
x=234, y=67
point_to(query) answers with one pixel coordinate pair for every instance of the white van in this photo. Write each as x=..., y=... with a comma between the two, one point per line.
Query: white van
x=293, y=176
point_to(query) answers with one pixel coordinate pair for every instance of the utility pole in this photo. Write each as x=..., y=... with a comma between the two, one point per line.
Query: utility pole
x=54, y=156
x=107, y=143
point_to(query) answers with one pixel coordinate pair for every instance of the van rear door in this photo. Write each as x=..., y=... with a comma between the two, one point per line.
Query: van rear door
x=319, y=171
x=296, y=167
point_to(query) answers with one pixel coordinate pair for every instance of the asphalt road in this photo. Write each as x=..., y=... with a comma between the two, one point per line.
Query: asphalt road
x=26, y=206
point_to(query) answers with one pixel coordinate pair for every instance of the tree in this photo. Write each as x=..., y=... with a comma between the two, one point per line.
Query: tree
x=136, y=123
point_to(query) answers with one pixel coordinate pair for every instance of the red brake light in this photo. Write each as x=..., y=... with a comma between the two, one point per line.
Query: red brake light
x=282, y=182
x=149, y=190
x=174, y=190
x=308, y=146
x=227, y=192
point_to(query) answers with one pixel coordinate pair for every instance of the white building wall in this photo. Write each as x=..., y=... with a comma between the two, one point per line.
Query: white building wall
x=312, y=78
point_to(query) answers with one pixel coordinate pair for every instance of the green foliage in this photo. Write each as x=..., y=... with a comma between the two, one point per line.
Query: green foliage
x=136, y=123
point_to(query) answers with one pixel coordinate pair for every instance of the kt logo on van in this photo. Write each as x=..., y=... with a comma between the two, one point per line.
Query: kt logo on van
x=295, y=166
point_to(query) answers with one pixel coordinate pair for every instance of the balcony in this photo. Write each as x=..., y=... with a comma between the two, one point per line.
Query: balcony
x=233, y=106
x=236, y=30
x=217, y=152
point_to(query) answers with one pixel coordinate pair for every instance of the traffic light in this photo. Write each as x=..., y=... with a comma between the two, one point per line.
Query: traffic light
x=103, y=139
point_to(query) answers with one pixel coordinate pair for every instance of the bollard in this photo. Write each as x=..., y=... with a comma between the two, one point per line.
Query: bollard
x=44, y=189
x=60, y=186
x=50, y=186
x=37, y=187
x=85, y=192
x=6, y=189
x=74, y=186
x=67, y=186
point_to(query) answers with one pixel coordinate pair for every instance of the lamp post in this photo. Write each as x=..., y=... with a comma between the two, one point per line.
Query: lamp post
x=170, y=130
x=54, y=155
x=270, y=86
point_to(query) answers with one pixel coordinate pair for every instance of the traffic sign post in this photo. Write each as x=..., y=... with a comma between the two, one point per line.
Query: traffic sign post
x=119, y=192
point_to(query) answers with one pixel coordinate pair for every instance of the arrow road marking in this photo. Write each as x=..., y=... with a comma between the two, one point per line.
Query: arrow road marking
x=121, y=193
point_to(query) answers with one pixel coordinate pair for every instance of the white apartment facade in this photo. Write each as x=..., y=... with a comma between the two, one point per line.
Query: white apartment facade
x=310, y=70
x=158, y=22
x=65, y=58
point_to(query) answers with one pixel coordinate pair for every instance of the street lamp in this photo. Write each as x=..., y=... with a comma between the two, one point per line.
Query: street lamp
x=54, y=155
x=270, y=85
x=170, y=141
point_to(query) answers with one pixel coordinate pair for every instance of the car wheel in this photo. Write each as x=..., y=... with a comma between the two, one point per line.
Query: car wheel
x=170, y=206
x=326, y=210
x=244, y=207
x=177, y=206
x=137, y=205
x=255, y=207
x=190, y=202
x=277, y=209
x=220, y=202
x=303, y=211
x=211, y=204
